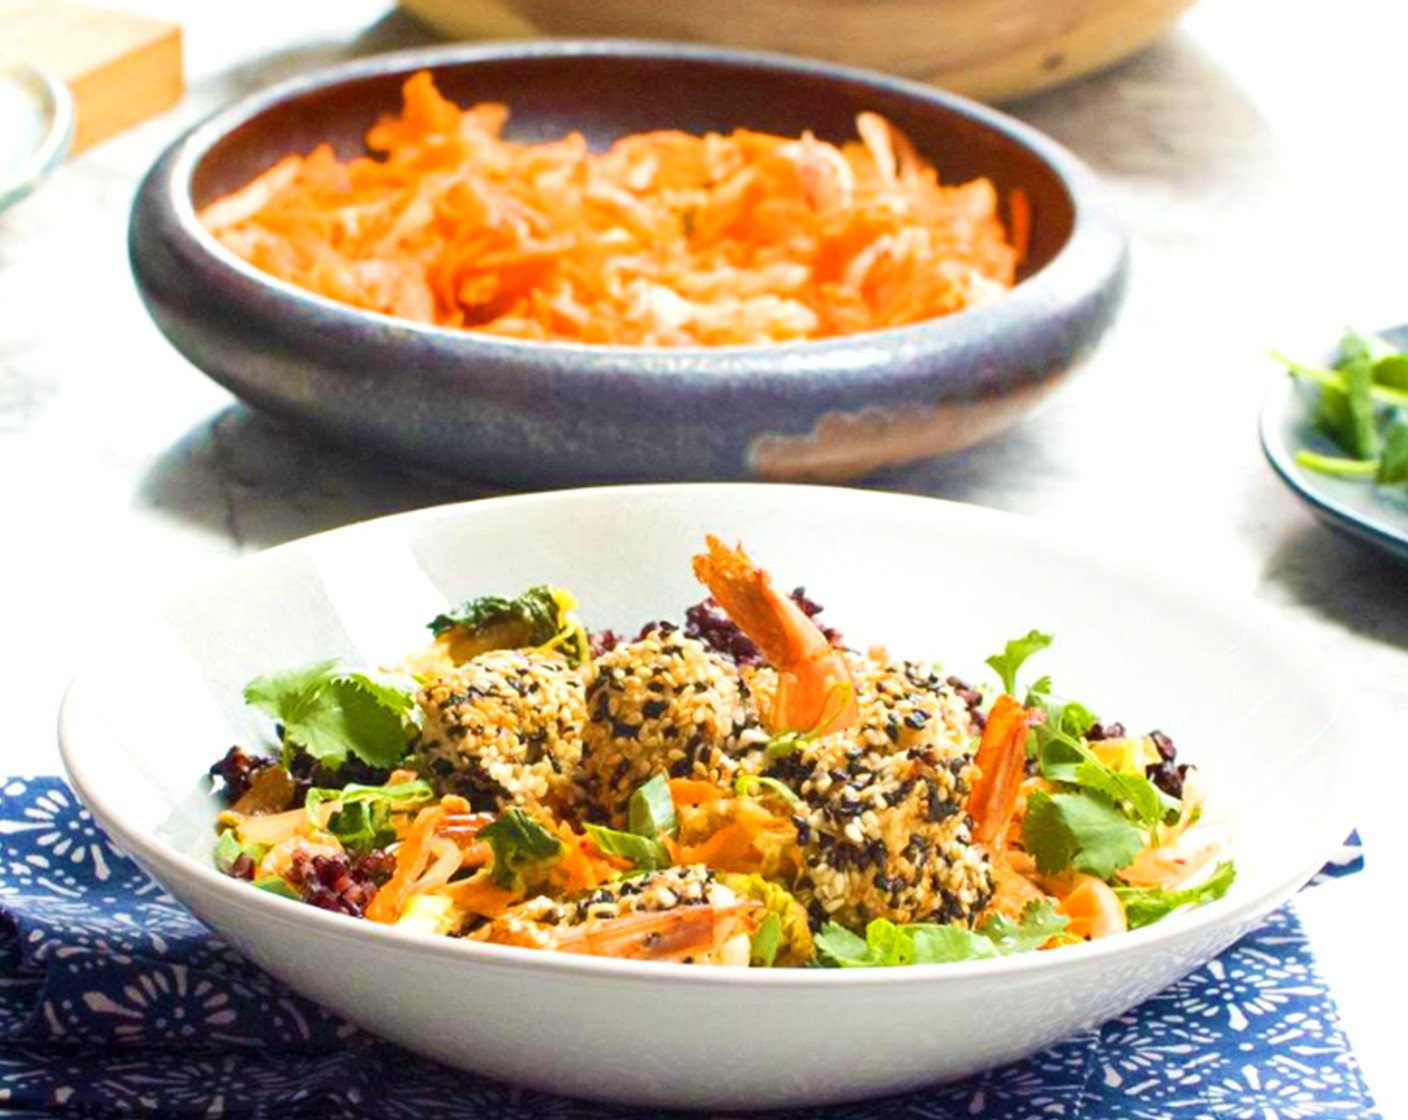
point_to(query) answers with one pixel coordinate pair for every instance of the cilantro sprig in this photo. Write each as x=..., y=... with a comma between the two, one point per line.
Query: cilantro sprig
x=332, y=711
x=361, y=815
x=1014, y=655
x=543, y=617
x=1146, y=905
x=1360, y=404
x=651, y=813
x=888, y=945
x=1097, y=818
x=520, y=845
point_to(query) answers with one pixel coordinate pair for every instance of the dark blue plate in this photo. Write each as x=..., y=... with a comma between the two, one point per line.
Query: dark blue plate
x=1378, y=516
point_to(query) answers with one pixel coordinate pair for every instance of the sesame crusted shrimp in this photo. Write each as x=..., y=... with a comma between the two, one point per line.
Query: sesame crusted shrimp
x=814, y=687
x=680, y=914
x=505, y=729
x=664, y=704
x=881, y=818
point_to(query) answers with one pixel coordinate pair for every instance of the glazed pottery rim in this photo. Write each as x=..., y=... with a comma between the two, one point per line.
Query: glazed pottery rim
x=76, y=720
x=1092, y=259
x=58, y=136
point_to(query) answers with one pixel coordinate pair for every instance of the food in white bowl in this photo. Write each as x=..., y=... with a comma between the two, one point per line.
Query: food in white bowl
x=916, y=576
x=734, y=787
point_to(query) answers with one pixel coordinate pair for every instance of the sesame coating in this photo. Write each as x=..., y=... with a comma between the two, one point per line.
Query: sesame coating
x=505, y=728
x=665, y=889
x=881, y=820
x=664, y=703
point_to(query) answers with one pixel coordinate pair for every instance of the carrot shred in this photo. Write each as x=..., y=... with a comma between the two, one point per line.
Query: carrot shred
x=1019, y=212
x=411, y=859
x=665, y=239
x=695, y=791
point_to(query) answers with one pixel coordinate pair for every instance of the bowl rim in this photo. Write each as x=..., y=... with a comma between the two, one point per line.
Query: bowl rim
x=79, y=722
x=1093, y=257
x=60, y=120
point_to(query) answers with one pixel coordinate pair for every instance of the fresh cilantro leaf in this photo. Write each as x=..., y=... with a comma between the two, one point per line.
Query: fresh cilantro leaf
x=765, y=942
x=1081, y=830
x=837, y=944
x=1393, y=460
x=1392, y=370
x=1010, y=660
x=647, y=854
x=361, y=819
x=652, y=809
x=1046, y=835
x=1062, y=757
x=542, y=617
x=1138, y=793
x=518, y=843
x=945, y=944
x=1038, y=692
x=1356, y=346
x=330, y=710
x=887, y=945
x=1144, y=906
x=1037, y=925
x=1361, y=434
x=1076, y=719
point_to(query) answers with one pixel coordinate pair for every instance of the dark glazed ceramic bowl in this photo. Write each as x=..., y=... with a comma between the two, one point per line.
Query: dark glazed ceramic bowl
x=527, y=413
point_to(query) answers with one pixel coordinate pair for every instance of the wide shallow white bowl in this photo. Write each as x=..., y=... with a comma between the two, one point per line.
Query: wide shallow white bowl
x=1263, y=715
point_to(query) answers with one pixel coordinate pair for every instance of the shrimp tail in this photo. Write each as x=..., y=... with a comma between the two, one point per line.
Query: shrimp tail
x=1001, y=762
x=665, y=935
x=815, y=692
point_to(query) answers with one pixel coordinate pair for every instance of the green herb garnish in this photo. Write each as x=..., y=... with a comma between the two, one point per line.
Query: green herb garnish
x=332, y=711
x=519, y=844
x=1144, y=906
x=361, y=819
x=645, y=853
x=1360, y=405
x=765, y=942
x=1078, y=829
x=887, y=945
x=652, y=809
x=1014, y=654
x=541, y=618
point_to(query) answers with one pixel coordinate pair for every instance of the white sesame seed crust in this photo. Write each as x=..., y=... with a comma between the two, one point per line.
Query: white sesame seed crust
x=663, y=704
x=882, y=824
x=506, y=725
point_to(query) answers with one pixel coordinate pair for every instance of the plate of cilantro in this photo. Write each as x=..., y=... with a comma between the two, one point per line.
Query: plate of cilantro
x=1337, y=435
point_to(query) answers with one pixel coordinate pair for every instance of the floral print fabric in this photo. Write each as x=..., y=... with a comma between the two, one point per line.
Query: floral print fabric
x=116, y=1002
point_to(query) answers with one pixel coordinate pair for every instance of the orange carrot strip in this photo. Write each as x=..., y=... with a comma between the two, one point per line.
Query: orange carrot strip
x=411, y=859
x=666, y=239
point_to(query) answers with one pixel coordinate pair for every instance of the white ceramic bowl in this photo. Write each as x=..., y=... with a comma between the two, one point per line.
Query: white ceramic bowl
x=1263, y=715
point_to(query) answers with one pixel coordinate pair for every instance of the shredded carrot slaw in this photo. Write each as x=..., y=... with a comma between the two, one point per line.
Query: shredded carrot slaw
x=666, y=239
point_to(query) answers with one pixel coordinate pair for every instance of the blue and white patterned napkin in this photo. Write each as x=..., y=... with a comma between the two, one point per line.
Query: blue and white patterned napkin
x=116, y=1002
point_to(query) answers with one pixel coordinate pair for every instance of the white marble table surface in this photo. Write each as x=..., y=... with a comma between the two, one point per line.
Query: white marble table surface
x=1255, y=154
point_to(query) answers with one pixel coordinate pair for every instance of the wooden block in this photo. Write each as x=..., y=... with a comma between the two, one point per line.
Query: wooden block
x=121, y=68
